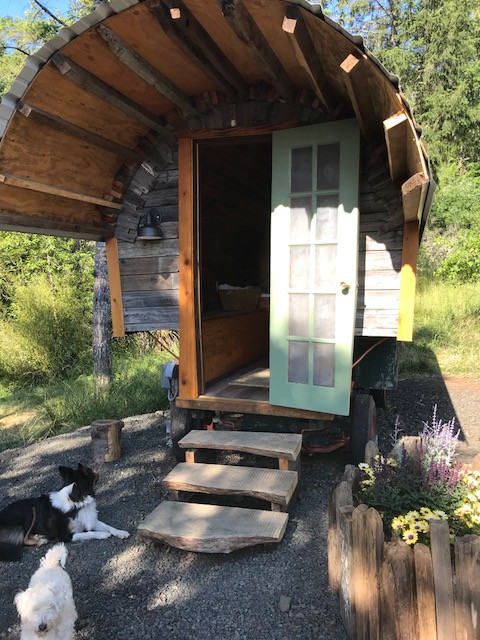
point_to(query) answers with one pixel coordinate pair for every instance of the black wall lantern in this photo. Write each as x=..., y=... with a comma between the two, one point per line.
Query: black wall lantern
x=149, y=226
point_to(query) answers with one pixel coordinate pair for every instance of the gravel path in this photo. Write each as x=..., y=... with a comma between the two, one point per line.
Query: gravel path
x=135, y=589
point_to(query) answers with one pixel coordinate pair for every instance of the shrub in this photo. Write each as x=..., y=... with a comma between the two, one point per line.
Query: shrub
x=421, y=482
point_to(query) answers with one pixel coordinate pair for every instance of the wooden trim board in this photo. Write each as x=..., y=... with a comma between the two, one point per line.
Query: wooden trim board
x=116, y=302
x=408, y=277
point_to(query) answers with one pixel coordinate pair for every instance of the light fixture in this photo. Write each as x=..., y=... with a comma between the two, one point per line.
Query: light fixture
x=149, y=227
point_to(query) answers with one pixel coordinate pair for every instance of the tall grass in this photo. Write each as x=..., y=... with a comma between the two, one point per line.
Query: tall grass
x=446, y=330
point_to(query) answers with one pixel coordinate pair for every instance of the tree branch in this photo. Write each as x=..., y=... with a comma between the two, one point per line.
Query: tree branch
x=52, y=15
x=3, y=47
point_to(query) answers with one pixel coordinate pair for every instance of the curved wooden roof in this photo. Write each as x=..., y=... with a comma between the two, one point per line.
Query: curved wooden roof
x=121, y=84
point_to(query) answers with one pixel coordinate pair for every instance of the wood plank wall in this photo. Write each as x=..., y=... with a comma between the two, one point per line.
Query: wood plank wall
x=149, y=269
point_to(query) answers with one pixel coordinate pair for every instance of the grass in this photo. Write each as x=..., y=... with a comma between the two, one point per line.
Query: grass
x=28, y=415
x=446, y=338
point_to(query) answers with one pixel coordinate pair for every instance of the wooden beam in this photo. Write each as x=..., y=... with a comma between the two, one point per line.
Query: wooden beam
x=247, y=30
x=396, y=130
x=13, y=221
x=188, y=358
x=87, y=81
x=307, y=56
x=59, y=124
x=414, y=191
x=197, y=45
x=145, y=70
x=355, y=76
x=32, y=185
x=115, y=285
x=408, y=279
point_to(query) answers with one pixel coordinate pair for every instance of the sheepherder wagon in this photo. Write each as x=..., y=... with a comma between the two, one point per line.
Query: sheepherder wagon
x=261, y=186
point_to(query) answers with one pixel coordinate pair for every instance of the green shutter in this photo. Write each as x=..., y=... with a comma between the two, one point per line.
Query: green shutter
x=315, y=176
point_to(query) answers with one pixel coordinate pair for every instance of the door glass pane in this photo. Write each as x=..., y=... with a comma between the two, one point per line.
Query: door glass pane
x=300, y=219
x=327, y=214
x=328, y=166
x=325, y=266
x=299, y=267
x=301, y=179
x=298, y=362
x=298, y=315
x=324, y=317
x=323, y=365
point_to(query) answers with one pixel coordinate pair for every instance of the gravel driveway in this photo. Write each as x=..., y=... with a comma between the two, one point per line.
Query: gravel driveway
x=135, y=589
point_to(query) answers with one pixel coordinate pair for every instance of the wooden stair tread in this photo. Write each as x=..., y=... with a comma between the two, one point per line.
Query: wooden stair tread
x=271, y=445
x=211, y=528
x=266, y=484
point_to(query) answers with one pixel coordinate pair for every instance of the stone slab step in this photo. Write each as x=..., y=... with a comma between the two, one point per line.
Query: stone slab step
x=211, y=528
x=271, y=445
x=266, y=484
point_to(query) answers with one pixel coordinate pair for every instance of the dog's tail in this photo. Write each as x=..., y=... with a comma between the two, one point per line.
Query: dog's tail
x=11, y=541
x=56, y=556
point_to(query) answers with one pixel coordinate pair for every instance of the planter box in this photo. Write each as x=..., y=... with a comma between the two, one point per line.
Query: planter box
x=393, y=591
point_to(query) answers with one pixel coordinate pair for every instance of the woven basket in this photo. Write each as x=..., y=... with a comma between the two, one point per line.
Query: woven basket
x=239, y=299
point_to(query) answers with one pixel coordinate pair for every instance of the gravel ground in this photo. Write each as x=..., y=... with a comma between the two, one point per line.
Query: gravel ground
x=136, y=589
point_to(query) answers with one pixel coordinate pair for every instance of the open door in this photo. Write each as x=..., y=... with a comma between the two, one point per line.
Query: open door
x=314, y=256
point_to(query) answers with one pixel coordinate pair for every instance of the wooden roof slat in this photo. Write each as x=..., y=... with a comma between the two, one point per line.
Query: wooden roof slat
x=32, y=185
x=294, y=25
x=247, y=30
x=86, y=80
x=396, y=129
x=357, y=84
x=197, y=45
x=14, y=221
x=139, y=65
x=50, y=120
x=414, y=192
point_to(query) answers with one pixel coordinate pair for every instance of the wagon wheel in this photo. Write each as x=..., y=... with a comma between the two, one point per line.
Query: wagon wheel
x=180, y=425
x=363, y=419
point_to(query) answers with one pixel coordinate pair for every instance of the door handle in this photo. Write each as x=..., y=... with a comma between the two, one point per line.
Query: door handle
x=345, y=287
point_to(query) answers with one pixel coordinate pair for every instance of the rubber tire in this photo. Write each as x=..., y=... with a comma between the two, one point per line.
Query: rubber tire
x=180, y=425
x=363, y=422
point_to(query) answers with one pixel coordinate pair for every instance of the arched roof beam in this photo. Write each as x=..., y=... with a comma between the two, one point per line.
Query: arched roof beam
x=294, y=25
x=198, y=46
x=249, y=33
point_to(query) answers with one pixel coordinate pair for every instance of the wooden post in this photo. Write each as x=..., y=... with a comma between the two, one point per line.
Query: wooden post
x=399, y=613
x=360, y=587
x=427, y=626
x=345, y=537
x=352, y=475
x=467, y=554
x=106, y=440
x=373, y=564
x=340, y=497
x=442, y=578
x=371, y=450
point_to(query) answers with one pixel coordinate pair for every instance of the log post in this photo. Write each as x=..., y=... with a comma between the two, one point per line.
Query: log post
x=106, y=440
x=442, y=579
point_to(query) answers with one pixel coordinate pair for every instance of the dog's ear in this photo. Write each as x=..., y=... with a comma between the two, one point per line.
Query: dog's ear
x=85, y=470
x=21, y=600
x=66, y=473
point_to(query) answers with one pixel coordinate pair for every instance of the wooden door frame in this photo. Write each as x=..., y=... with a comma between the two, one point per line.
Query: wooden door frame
x=190, y=372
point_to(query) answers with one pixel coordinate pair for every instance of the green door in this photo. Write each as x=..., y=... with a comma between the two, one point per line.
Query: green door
x=315, y=178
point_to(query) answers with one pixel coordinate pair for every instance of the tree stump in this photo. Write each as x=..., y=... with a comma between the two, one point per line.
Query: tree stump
x=106, y=441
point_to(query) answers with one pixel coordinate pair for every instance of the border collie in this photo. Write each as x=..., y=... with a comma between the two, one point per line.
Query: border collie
x=68, y=515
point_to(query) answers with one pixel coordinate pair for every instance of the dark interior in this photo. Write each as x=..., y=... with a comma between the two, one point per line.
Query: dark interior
x=234, y=207
x=234, y=204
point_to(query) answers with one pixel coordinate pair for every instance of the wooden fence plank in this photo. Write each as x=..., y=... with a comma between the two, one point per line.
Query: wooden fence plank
x=360, y=587
x=371, y=450
x=427, y=626
x=466, y=554
x=399, y=615
x=340, y=497
x=442, y=578
x=373, y=564
x=345, y=534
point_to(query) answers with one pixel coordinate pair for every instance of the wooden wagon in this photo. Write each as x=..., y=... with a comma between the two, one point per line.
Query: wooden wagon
x=283, y=167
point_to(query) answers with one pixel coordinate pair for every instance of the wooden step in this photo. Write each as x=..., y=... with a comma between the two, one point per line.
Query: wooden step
x=274, y=486
x=271, y=445
x=211, y=528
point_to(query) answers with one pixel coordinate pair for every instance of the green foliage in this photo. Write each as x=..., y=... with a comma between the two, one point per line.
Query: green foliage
x=47, y=335
x=24, y=256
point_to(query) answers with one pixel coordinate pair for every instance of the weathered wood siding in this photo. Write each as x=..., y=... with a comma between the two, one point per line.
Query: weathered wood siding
x=149, y=270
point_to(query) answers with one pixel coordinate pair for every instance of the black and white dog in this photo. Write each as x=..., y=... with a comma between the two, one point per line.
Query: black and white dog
x=68, y=515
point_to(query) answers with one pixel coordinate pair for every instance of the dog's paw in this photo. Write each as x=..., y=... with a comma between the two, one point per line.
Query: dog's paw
x=102, y=535
x=122, y=534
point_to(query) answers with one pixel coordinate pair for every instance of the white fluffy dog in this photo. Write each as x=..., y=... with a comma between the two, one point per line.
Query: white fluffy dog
x=46, y=608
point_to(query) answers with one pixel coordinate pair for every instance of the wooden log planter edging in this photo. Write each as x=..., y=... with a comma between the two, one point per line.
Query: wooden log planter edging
x=393, y=591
